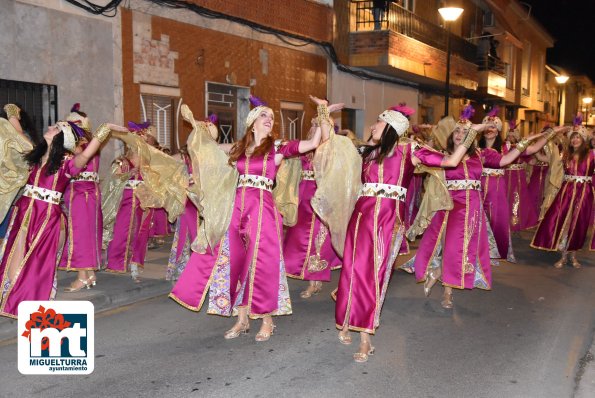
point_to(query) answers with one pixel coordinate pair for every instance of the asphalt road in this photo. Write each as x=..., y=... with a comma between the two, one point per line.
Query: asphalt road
x=525, y=338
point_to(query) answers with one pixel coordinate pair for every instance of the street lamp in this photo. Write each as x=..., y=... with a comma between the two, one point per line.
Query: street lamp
x=449, y=14
x=587, y=101
x=561, y=80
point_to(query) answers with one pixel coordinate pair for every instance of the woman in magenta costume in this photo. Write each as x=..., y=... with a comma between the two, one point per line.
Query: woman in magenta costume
x=376, y=228
x=522, y=215
x=127, y=245
x=82, y=204
x=188, y=223
x=494, y=184
x=537, y=179
x=248, y=274
x=454, y=247
x=307, y=248
x=566, y=222
x=29, y=255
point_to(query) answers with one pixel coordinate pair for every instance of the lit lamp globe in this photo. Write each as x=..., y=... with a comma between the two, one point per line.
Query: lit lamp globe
x=450, y=14
x=587, y=100
x=562, y=79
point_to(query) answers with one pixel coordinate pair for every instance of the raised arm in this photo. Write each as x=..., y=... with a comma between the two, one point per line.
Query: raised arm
x=13, y=113
x=455, y=158
x=523, y=145
x=100, y=135
x=325, y=124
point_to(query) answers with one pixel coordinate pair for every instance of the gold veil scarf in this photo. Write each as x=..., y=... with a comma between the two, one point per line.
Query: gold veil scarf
x=337, y=169
x=555, y=176
x=286, y=191
x=436, y=198
x=215, y=181
x=112, y=189
x=165, y=179
x=14, y=170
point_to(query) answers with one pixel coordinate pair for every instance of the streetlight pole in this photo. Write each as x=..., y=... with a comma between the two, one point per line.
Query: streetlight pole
x=447, y=84
x=449, y=14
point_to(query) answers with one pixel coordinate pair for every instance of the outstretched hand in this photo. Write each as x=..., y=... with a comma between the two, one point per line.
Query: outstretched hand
x=335, y=107
x=115, y=127
x=479, y=127
x=318, y=101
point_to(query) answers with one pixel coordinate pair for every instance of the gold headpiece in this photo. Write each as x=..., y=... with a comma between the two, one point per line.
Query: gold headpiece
x=253, y=115
x=397, y=120
x=442, y=130
x=69, y=137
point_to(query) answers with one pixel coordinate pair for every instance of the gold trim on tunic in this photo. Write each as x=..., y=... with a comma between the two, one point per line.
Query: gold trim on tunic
x=387, y=191
x=44, y=194
x=463, y=185
x=255, y=181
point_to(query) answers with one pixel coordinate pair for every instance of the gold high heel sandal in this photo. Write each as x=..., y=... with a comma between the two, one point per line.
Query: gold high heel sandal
x=431, y=279
x=447, y=300
x=574, y=261
x=265, y=336
x=361, y=357
x=312, y=290
x=72, y=289
x=237, y=329
x=561, y=262
x=345, y=337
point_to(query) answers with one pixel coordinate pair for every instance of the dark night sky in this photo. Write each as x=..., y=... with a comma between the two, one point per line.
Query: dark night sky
x=571, y=24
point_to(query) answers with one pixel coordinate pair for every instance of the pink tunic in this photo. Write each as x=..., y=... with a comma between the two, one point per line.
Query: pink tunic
x=537, y=185
x=159, y=224
x=522, y=215
x=185, y=233
x=374, y=238
x=126, y=230
x=82, y=205
x=246, y=268
x=495, y=202
x=309, y=239
x=566, y=222
x=39, y=223
x=457, y=239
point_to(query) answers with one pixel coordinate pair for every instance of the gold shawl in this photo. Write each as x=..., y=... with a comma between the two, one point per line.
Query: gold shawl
x=165, y=179
x=555, y=176
x=287, y=189
x=442, y=130
x=14, y=170
x=337, y=169
x=112, y=189
x=215, y=181
x=436, y=197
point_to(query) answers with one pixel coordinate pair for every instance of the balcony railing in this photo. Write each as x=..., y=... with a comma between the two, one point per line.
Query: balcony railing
x=403, y=21
x=490, y=63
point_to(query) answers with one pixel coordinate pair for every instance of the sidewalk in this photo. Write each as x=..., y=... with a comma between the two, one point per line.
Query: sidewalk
x=112, y=290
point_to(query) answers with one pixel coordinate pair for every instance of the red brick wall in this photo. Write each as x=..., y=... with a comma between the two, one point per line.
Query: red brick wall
x=306, y=18
x=292, y=74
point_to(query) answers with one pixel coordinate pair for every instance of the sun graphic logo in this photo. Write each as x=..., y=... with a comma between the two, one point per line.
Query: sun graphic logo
x=56, y=337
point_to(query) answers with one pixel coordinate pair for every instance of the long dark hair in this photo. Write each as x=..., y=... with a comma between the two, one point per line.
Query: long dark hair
x=239, y=148
x=582, y=151
x=387, y=141
x=450, y=145
x=55, y=158
x=497, y=145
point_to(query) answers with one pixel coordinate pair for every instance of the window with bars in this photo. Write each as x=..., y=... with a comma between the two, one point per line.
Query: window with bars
x=292, y=120
x=222, y=100
x=160, y=110
x=39, y=101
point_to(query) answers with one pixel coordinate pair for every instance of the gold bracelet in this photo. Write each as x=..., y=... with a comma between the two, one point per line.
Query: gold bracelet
x=549, y=134
x=102, y=132
x=12, y=111
x=323, y=114
x=522, y=145
x=469, y=138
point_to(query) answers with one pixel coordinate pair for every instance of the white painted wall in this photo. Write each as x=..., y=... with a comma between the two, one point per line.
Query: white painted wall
x=371, y=97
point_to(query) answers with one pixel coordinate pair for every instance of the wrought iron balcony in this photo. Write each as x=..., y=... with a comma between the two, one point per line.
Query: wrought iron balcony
x=403, y=21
